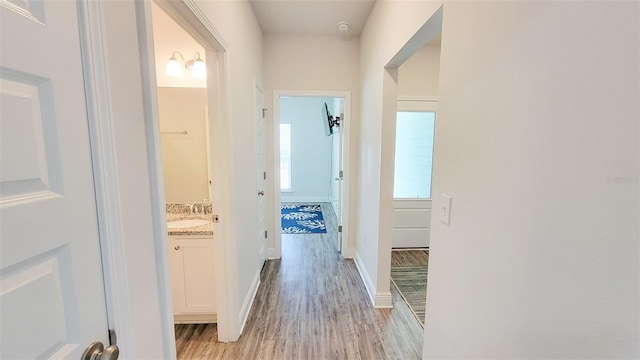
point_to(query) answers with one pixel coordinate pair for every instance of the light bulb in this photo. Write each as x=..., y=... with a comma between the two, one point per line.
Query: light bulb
x=199, y=69
x=173, y=68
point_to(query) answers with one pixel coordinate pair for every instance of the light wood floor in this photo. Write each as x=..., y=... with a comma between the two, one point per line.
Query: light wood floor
x=311, y=304
x=409, y=257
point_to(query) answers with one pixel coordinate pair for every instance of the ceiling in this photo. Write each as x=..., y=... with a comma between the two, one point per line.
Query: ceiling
x=311, y=17
x=305, y=17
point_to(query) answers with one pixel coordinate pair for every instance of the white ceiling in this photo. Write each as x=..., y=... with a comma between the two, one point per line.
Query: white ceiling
x=318, y=17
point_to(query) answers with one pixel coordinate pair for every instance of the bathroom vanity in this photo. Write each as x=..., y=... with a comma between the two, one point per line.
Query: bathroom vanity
x=191, y=256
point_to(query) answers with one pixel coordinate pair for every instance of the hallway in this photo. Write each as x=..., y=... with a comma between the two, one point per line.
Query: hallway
x=311, y=304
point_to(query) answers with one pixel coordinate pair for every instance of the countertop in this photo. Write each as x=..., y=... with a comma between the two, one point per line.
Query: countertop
x=206, y=229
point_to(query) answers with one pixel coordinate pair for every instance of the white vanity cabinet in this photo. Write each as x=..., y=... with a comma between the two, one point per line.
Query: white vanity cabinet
x=192, y=278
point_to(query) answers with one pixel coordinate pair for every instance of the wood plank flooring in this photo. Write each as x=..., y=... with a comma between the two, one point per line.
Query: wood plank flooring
x=409, y=276
x=311, y=304
x=409, y=257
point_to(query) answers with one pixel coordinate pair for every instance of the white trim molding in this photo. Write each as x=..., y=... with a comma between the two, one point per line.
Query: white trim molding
x=105, y=172
x=195, y=319
x=272, y=253
x=366, y=280
x=304, y=199
x=383, y=300
x=156, y=178
x=248, y=301
x=380, y=300
x=418, y=98
x=350, y=253
x=417, y=103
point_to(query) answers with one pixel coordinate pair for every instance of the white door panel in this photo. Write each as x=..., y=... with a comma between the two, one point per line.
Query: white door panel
x=51, y=288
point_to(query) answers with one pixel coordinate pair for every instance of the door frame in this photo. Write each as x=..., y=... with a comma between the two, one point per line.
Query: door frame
x=189, y=16
x=346, y=250
x=134, y=239
x=257, y=85
x=108, y=192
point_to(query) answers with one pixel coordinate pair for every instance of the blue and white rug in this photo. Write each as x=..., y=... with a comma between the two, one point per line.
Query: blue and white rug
x=302, y=219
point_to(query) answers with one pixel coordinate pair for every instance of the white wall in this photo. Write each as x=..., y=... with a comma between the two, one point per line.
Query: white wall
x=389, y=26
x=537, y=143
x=312, y=63
x=310, y=149
x=184, y=156
x=418, y=76
x=237, y=24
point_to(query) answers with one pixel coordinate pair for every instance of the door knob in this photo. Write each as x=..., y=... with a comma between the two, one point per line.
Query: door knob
x=96, y=351
x=260, y=193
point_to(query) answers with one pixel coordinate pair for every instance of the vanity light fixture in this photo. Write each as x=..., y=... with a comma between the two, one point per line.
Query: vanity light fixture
x=197, y=66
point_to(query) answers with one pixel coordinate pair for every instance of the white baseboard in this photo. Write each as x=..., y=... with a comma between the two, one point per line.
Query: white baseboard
x=196, y=318
x=304, y=199
x=248, y=301
x=271, y=253
x=378, y=299
x=364, y=275
x=350, y=253
x=383, y=300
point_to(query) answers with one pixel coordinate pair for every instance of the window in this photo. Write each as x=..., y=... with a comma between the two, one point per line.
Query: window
x=414, y=155
x=285, y=157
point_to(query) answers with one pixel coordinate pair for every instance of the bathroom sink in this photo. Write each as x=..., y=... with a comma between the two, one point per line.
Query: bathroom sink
x=181, y=224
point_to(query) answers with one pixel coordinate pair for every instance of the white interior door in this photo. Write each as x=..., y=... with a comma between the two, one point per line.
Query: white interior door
x=52, y=302
x=261, y=175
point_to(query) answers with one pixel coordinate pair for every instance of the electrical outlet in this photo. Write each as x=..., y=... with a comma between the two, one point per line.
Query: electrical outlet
x=445, y=209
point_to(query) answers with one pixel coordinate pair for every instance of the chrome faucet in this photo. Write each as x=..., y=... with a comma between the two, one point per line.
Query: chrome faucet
x=205, y=201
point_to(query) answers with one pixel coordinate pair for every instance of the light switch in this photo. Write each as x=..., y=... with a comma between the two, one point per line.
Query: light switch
x=445, y=208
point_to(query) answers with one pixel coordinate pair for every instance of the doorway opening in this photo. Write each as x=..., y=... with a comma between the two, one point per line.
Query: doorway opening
x=185, y=144
x=412, y=205
x=311, y=141
x=415, y=72
x=194, y=152
x=417, y=105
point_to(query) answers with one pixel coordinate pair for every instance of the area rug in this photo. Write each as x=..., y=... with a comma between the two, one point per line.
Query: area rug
x=411, y=282
x=302, y=219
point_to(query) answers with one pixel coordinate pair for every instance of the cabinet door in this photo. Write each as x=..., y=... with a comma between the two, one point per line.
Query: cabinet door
x=177, y=275
x=192, y=270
